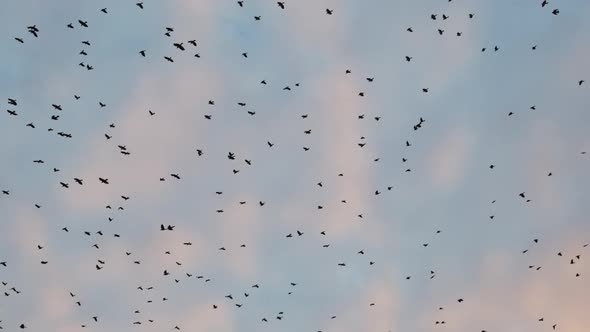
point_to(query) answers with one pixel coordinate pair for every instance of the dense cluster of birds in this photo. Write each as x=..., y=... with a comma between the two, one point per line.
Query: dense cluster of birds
x=179, y=48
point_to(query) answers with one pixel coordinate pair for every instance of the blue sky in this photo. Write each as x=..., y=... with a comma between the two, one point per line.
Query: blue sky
x=450, y=186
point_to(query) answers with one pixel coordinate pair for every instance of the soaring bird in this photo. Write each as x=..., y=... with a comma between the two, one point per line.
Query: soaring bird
x=179, y=46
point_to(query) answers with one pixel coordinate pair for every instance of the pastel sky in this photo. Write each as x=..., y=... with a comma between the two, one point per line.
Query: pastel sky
x=506, y=280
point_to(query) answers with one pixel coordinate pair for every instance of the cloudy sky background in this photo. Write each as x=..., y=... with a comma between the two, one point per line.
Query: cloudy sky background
x=450, y=187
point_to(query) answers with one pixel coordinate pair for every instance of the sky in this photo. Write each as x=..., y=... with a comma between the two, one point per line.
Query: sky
x=434, y=225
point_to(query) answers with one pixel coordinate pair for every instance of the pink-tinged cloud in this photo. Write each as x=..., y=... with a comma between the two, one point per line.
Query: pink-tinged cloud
x=449, y=157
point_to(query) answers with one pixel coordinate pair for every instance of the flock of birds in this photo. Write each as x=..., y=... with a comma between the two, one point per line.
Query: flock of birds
x=68, y=181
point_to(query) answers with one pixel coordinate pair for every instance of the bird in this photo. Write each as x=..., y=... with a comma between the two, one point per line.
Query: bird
x=179, y=46
x=329, y=11
x=281, y=4
x=32, y=29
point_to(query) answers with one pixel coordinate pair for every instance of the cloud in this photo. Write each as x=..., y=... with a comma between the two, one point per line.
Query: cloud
x=450, y=157
x=202, y=317
x=159, y=145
